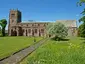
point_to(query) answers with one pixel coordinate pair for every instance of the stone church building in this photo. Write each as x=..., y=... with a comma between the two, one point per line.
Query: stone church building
x=17, y=28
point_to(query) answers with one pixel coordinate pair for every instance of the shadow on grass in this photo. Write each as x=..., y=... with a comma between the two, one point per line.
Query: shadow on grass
x=65, y=39
x=2, y=36
x=82, y=39
x=83, y=42
x=59, y=39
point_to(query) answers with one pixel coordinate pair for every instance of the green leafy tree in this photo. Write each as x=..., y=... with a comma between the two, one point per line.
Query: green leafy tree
x=0, y=31
x=82, y=27
x=58, y=30
x=81, y=30
x=82, y=19
x=3, y=24
x=81, y=2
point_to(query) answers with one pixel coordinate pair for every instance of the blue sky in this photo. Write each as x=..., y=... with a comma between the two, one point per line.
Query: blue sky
x=41, y=10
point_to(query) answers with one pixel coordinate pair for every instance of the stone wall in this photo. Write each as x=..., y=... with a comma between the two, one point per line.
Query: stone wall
x=16, y=28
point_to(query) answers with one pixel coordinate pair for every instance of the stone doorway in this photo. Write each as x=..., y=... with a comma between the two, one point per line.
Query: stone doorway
x=26, y=32
x=13, y=33
x=33, y=33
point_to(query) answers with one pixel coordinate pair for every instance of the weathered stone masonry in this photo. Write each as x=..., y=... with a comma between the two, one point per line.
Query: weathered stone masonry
x=17, y=28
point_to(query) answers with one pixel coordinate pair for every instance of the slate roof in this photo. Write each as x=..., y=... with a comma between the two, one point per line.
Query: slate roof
x=67, y=23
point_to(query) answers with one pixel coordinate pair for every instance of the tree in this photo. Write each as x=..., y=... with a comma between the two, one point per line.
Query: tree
x=0, y=31
x=58, y=30
x=3, y=24
x=82, y=27
x=81, y=30
x=82, y=19
x=81, y=2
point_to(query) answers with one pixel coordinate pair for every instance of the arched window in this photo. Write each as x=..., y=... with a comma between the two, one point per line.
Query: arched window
x=29, y=30
x=12, y=15
x=42, y=30
x=26, y=32
x=44, y=24
x=27, y=24
x=35, y=30
x=38, y=24
x=32, y=24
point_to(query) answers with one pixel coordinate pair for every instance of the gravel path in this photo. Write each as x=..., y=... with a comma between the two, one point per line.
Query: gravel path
x=14, y=59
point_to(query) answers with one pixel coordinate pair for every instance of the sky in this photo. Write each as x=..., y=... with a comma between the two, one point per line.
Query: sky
x=42, y=10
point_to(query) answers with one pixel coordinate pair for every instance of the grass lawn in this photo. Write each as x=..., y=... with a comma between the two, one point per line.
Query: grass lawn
x=59, y=52
x=9, y=45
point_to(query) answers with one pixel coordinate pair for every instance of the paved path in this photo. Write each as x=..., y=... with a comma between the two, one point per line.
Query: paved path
x=14, y=59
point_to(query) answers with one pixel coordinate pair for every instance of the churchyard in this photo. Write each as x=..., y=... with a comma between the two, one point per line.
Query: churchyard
x=10, y=45
x=58, y=43
x=58, y=48
x=70, y=51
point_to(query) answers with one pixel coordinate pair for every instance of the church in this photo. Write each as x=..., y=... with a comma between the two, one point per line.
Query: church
x=33, y=28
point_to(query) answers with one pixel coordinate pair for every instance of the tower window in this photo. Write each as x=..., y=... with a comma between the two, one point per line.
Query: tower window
x=12, y=15
x=12, y=21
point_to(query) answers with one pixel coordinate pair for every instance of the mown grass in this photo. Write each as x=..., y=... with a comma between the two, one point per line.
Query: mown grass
x=9, y=45
x=59, y=52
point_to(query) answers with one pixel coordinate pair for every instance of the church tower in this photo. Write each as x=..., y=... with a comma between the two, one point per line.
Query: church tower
x=14, y=17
